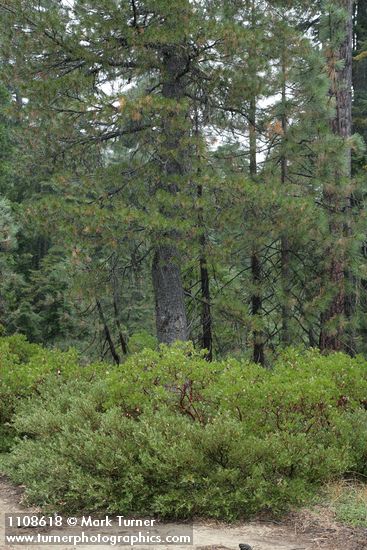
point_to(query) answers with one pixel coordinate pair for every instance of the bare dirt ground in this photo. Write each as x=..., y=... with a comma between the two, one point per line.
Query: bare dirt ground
x=302, y=531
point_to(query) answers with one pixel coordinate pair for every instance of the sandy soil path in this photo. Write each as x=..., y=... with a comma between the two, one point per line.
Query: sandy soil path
x=260, y=536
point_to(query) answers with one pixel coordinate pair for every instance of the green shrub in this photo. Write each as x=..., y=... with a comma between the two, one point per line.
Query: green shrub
x=169, y=434
x=24, y=367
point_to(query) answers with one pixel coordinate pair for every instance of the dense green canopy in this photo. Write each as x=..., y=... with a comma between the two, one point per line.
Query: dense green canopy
x=181, y=170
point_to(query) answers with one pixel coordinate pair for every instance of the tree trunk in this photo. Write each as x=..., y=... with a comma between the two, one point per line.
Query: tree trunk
x=360, y=71
x=332, y=336
x=258, y=353
x=284, y=242
x=169, y=295
x=206, y=317
x=107, y=333
x=117, y=310
x=171, y=319
x=256, y=306
x=359, y=123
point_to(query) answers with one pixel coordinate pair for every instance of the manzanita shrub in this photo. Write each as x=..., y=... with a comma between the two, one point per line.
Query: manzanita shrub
x=169, y=434
x=24, y=367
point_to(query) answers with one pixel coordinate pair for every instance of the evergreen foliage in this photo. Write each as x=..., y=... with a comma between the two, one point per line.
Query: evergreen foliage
x=183, y=163
x=171, y=435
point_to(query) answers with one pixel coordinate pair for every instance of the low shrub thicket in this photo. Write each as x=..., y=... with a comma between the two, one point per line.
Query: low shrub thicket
x=23, y=369
x=169, y=434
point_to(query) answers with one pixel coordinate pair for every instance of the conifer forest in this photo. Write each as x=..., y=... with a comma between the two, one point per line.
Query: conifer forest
x=183, y=221
x=184, y=171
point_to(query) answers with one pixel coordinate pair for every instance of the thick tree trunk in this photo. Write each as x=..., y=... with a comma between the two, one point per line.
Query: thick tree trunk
x=342, y=89
x=332, y=336
x=171, y=319
x=169, y=295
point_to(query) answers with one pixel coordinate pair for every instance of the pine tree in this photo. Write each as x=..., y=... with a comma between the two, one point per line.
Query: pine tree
x=196, y=157
x=339, y=56
x=167, y=46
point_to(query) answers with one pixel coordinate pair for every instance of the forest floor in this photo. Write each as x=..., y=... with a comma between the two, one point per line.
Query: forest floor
x=304, y=530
